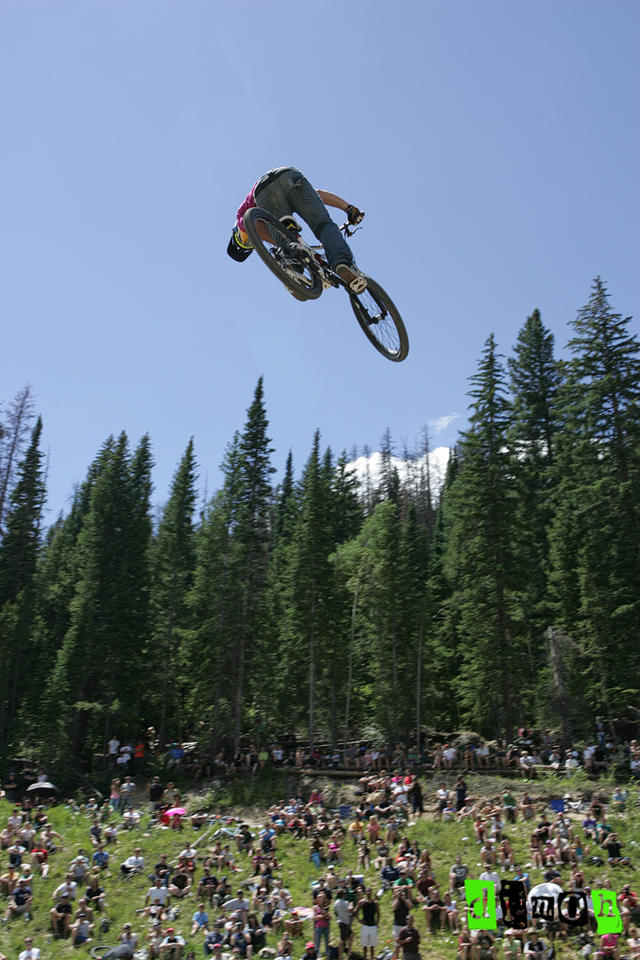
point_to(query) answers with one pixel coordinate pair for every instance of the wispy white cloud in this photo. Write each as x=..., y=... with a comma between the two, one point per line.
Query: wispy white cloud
x=441, y=424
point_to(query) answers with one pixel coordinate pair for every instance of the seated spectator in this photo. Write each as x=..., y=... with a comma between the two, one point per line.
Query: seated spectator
x=20, y=901
x=526, y=807
x=613, y=846
x=505, y=855
x=450, y=756
x=457, y=875
x=101, y=859
x=95, y=894
x=435, y=910
x=39, y=861
x=60, y=917
x=207, y=885
x=214, y=938
x=79, y=867
x=29, y=953
x=180, y=884
x=200, y=921
x=133, y=863
x=483, y=945
x=509, y=807
x=128, y=942
x=487, y=854
x=608, y=948
x=534, y=946
x=81, y=930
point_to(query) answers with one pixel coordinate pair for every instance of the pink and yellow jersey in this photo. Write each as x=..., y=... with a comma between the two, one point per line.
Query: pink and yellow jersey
x=248, y=202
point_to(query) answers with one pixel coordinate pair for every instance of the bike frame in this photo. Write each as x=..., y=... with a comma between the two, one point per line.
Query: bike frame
x=328, y=277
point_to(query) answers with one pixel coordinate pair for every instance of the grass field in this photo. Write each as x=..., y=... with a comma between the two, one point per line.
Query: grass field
x=248, y=800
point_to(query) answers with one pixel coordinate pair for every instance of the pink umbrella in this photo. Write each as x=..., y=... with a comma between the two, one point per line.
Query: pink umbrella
x=176, y=812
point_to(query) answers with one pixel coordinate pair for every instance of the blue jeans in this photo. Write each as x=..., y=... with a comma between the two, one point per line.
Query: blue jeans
x=290, y=193
x=320, y=934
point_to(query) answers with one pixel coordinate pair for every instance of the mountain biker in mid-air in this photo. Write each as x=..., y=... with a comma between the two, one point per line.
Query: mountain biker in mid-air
x=284, y=191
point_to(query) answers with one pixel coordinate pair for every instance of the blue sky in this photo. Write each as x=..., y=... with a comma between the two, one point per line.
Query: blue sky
x=493, y=145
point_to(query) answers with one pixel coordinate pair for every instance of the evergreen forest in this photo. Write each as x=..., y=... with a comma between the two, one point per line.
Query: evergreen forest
x=508, y=596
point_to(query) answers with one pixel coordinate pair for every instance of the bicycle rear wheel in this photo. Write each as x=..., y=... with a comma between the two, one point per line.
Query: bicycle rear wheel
x=297, y=273
x=380, y=321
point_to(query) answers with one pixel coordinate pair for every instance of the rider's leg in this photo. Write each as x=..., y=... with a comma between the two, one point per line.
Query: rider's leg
x=290, y=193
x=305, y=201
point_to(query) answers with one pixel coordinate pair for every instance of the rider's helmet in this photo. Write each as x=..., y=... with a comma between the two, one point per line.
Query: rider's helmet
x=239, y=245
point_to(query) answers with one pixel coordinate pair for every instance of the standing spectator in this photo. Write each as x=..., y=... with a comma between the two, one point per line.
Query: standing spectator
x=113, y=748
x=155, y=792
x=509, y=807
x=321, y=922
x=401, y=905
x=343, y=911
x=368, y=912
x=127, y=789
x=114, y=794
x=138, y=757
x=409, y=940
x=123, y=760
x=415, y=797
x=10, y=787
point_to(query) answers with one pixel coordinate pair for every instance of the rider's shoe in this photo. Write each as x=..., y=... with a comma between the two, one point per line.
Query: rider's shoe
x=349, y=274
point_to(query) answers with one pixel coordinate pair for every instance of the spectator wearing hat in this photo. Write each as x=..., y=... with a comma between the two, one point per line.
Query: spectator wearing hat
x=172, y=945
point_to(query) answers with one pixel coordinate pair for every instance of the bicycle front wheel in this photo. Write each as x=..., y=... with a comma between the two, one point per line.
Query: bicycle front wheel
x=297, y=273
x=380, y=321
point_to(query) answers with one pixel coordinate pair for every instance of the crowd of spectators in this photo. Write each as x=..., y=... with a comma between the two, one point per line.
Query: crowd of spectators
x=528, y=755
x=369, y=870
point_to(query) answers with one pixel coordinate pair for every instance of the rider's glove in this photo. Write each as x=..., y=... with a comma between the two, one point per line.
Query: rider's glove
x=353, y=214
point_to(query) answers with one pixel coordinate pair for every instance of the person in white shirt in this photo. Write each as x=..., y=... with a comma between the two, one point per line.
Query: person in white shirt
x=30, y=952
x=189, y=853
x=134, y=863
x=158, y=894
x=68, y=887
x=490, y=876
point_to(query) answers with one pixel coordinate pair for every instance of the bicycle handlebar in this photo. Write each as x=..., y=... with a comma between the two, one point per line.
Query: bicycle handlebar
x=348, y=230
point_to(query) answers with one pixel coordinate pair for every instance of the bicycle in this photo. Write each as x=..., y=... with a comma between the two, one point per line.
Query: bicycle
x=304, y=270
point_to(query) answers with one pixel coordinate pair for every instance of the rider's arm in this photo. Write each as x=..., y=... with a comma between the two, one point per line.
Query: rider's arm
x=332, y=199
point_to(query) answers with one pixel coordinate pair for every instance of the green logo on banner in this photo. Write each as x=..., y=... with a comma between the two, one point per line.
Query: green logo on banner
x=481, y=903
x=606, y=912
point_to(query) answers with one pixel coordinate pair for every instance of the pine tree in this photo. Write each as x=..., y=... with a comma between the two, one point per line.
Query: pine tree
x=534, y=382
x=173, y=562
x=96, y=674
x=14, y=431
x=480, y=560
x=595, y=537
x=18, y=558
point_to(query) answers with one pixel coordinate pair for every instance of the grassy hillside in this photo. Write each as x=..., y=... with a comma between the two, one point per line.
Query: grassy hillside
x=443, y=840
